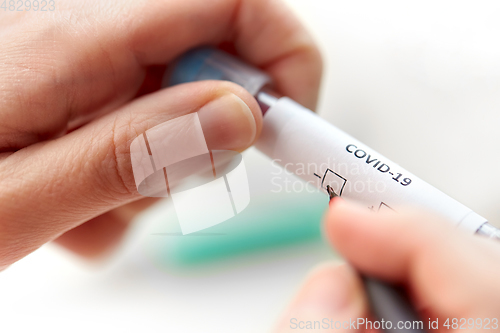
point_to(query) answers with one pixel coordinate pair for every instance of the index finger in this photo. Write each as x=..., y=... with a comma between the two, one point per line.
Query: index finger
x=265, y=33
x=447, y=270
x=103, y=49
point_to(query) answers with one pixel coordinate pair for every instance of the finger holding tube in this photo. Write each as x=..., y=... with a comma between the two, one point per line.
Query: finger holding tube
x=435, y=261
x=52, y=187
x=104, y=51
x=330, y=300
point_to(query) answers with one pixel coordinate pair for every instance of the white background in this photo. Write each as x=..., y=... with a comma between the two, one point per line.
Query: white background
x=417, y=81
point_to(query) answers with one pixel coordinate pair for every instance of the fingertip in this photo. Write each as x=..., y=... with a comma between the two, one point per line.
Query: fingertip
x=251, y=103
x=299, y=75
x=332, y=288
x=344, y=219
x=231, y=120
x=315, y=59
x=367, y=239
x=331, y=291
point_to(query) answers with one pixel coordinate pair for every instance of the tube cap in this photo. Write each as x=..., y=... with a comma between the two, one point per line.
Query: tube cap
x=208, y=63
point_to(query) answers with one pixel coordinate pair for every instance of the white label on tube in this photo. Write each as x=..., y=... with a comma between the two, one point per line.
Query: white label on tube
x=322, y=155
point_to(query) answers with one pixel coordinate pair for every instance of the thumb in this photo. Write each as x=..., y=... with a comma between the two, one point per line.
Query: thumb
x=449, y=273
x=53, y=186
x=331, y=300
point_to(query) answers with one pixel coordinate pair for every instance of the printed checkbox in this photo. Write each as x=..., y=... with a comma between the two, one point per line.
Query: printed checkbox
x=336, y=181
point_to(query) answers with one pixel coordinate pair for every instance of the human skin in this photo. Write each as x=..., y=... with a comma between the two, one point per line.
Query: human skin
x=69, y=81
x=447, y=272
x=72, y=98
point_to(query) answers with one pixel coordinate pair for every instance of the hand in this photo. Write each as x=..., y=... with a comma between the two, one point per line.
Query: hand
x=69, y=109
x=448, y=273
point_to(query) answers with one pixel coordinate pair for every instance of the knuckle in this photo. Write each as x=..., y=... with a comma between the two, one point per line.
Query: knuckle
x=121, y=157
x=117, y=179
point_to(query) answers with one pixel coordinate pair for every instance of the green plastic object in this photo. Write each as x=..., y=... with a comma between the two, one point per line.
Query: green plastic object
x=270, y=221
